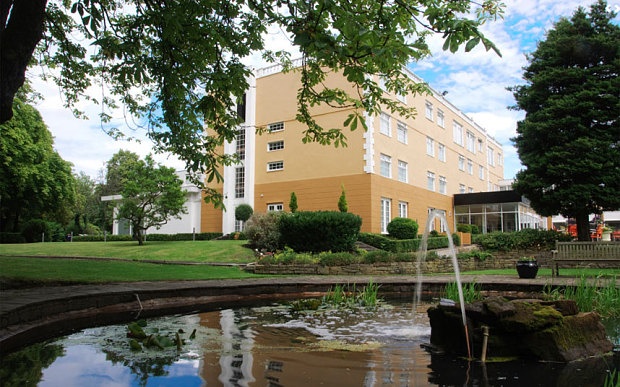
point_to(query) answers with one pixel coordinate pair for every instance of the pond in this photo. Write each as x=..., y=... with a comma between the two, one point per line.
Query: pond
x=275, y=345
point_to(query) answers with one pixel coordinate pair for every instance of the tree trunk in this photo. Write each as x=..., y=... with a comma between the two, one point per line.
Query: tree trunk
x=583, y=226
x=20, y=32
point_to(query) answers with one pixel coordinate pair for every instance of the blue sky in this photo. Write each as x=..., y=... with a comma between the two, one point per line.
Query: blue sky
x=476, y=83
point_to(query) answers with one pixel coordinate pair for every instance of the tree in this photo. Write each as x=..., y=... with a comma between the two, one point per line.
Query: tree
x=243, y=212
x=177, y=65
x=342, y=202
x=568, y=141
x=35, y=182
x=292, y=204
x=151, y=195
x=87, y=204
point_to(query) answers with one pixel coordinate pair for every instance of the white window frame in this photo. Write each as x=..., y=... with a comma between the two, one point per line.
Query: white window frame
x=441, y=121
x=430, y=181
x=401, y=132
x=428, y=110
x=275, y=207
x=443, y=185
x=273, y=166
x=481, y=172
x=385, y=165
x=430, y=147
x=457, y=133
x=490, y=156
x=403, y=209
x=386, y=214
x=470, y=167
x=441, y=152
x=274, y=146
x=385, y=124
x=471, y=142
x=403, y=171
x=461, y=163
x=462, y=188
x=275, y=127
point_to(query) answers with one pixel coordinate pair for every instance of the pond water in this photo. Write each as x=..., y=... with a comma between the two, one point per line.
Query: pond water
x=276, y=346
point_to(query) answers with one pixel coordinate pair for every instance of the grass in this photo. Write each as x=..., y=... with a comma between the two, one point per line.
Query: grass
x=231, y=251
x=59, y=270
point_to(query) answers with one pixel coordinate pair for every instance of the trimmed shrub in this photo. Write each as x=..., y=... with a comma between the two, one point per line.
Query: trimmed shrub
x=243, y=212
x=319, y=231
x=338, y=259
x=403, y=228
x=35, y=229
x=456, y=239
x=520, y=240
x=463, y=227
x=262, y=230
x=203, y=236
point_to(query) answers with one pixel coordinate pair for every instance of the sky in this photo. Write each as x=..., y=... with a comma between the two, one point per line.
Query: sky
x=475, y=82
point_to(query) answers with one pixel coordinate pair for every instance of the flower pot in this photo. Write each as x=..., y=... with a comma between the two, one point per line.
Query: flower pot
x=606, y=236
x=527, y=269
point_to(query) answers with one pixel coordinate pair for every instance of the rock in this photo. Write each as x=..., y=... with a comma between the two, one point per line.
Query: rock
x=549, y=331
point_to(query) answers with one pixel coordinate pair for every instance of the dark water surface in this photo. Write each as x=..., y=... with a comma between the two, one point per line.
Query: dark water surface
x=276, y=346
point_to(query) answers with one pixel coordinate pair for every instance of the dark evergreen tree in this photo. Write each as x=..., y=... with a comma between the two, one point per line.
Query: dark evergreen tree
x=569, y=140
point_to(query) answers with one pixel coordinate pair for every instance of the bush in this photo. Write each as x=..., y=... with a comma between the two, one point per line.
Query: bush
x=262, y=230
x=520, y=240
x=12, y=237
x=403, y=228
x=203, y=236
x=319, y=231
x=338, y=259
x=36, y=229
x=243, y=212
x=463, y=227
x=456, y=239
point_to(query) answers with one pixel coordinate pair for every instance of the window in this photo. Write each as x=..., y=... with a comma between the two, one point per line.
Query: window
x=470, y=189
x=386, y=165
x=481, y=172
x=385, y=125
x=430, y=146
x=276, y=145
x=238, y=225
x=241, y=107
x=240, y=143
x=401, y=97
x=275, y=166
x=470, y=167
x=401, y=132
x=471, y=142
x=386, y=216
x=429, y=110
x=440, y=118
x=275, y=127
x=239, y=182
x=271, y=207
x=430, y=181
x=490, y=157
x=461, y=163
x=442, y=152
x=382, y=83
x=403, y=209
x=500, y=159
x=443, y=185
x=457, y=133
x=402, y=171
x=462, y=188
x=480, y=145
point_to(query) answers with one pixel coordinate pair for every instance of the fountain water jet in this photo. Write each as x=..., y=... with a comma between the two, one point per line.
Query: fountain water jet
x=433, y=214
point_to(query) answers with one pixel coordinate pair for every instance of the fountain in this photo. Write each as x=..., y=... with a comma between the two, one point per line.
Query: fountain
x=434, y=214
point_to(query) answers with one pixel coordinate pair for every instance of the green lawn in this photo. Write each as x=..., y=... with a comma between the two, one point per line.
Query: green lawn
x=90, y=270
x=231, y=251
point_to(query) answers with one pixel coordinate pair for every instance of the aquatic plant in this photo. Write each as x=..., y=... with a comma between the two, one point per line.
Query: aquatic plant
x=471, y=292
x=350, y=296
x=591, y=295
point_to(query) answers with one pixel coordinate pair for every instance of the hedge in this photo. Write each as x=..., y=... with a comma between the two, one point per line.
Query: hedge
x=203, y=236
x=318, y=231
x=405, y=245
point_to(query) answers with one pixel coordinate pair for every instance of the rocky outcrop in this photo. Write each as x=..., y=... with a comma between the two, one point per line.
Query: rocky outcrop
x=551, y=331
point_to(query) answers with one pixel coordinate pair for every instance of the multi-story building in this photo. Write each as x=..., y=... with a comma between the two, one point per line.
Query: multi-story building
x=399, y=167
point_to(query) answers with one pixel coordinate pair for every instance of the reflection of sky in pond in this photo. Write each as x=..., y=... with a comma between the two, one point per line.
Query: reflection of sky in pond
x=83, y=365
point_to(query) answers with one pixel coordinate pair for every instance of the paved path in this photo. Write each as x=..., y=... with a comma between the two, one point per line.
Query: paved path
x=30, y=315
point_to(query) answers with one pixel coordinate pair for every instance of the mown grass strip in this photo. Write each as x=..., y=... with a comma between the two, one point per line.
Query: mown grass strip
x=96, y=271
x=231, y=251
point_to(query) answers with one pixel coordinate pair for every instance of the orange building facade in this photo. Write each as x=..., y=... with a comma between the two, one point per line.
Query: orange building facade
x=399, y=167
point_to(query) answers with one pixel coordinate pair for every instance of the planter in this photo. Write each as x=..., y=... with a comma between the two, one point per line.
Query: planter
x=527, y=269
x=606, y=236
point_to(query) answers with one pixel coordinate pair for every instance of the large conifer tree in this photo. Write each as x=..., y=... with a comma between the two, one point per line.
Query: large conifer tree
x=569, y=140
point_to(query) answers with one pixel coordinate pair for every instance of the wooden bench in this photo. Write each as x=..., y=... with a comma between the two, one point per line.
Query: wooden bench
x=585, y=254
